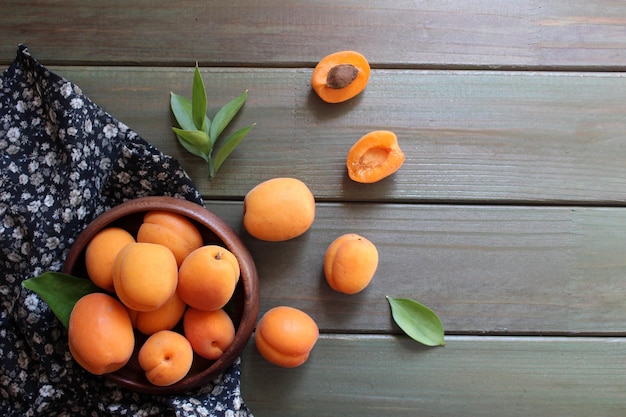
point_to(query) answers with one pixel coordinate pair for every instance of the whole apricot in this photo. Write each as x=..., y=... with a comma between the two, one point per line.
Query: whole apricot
x=101, y=252
x=163, y=318
x=278, y=209
x=166, y=357
x=145, y=275
x=285, y=336
x=350, y=263
x=209, y=332
x=171, y=230
x=100, y=334
x=207, y=278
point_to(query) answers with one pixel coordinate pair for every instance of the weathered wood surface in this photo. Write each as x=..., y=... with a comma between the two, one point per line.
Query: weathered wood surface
x=508, y=218
x=541, y=137
x=471, y=376
x=479, y=33
x=484, y=269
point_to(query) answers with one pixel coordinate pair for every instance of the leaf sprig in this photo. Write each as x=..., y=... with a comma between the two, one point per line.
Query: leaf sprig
x=60, y=291
x=197, y=133
x=418, y=321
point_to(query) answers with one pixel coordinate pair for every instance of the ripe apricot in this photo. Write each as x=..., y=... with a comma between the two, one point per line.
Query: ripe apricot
x=101, y=252
x=350, y=263
x=171, y=230
x=100, y=334
x=340, y=76
x=374, y=156
x=209, y=332
x=278, y=209
x=163, y=318
x=145, y=275
x=207, y=278
x=166, y=357
x=285, y=336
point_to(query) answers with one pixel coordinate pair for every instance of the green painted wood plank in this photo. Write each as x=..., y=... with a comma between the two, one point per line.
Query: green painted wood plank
x=468, y=136
x=478, y=33
x=471, y=376
x=494, y=269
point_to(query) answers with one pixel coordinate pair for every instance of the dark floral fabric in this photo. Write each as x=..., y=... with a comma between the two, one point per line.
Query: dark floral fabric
x=64, y=161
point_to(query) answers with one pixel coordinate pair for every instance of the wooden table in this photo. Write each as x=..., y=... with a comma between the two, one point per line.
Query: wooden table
x=508, y=217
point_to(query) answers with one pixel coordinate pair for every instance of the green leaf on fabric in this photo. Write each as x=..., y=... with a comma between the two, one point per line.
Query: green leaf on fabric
x=417, y=321
x=60, y=291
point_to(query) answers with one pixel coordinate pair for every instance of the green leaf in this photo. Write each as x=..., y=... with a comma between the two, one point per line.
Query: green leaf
x=417, y=321
x=225, y=115
x=60, y=291
x=228, y=146
x=181, y=107
x=198, y=101
x=195, y=141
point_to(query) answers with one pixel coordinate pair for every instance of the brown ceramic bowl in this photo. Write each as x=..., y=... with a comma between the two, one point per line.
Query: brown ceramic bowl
x=243, y=307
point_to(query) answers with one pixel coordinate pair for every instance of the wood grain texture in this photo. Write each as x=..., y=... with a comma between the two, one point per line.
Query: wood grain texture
x=477, y=33
x=482, y=269
x=471, y=376
x=549, y=138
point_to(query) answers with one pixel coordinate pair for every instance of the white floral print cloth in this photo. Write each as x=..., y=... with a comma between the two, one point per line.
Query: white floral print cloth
x=64, y=161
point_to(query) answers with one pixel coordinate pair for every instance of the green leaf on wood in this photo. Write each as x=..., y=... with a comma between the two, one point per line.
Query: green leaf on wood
x=60, y=291
x=417, y=321
x=197, y=134
x=198, y=100
x=229, y=145
x=195, y=141
x=224, y=116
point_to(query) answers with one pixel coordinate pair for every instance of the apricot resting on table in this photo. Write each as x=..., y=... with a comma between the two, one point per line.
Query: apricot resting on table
x=374, y=157
x=350, y=263
x=100, y=334
x=101, y=252
x=166, y=357
x=171, y=230
x=207, y=277
x=340, y=76
x=278, y=209
x=145, y=276
x=285, y=336
x=209, y=332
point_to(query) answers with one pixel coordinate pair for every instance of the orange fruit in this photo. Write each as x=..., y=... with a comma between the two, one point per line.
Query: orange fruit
x=101, y=252
x=285, y=336
x=172, y=230
x=145, y=275
x=209, y=332
x=278, y=209
x=163, y=318
x=350, y=263
x=166, y=357
x=340, y=76
x=374, y=156
x=207, y=278
x=100, y=334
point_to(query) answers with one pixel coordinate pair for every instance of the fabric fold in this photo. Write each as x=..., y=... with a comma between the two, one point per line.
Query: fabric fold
x=64, y=161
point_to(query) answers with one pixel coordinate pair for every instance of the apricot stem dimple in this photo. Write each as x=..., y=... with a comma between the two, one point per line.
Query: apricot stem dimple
x=341, y=75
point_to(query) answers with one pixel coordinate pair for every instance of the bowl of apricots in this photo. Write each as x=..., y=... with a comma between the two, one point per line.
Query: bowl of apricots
x=177, y=298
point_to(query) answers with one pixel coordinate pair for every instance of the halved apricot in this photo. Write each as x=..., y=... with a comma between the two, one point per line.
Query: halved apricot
x=375, y=156
x=340, y=76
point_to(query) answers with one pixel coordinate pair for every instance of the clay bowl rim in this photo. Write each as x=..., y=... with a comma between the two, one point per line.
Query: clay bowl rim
x=230, y=240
